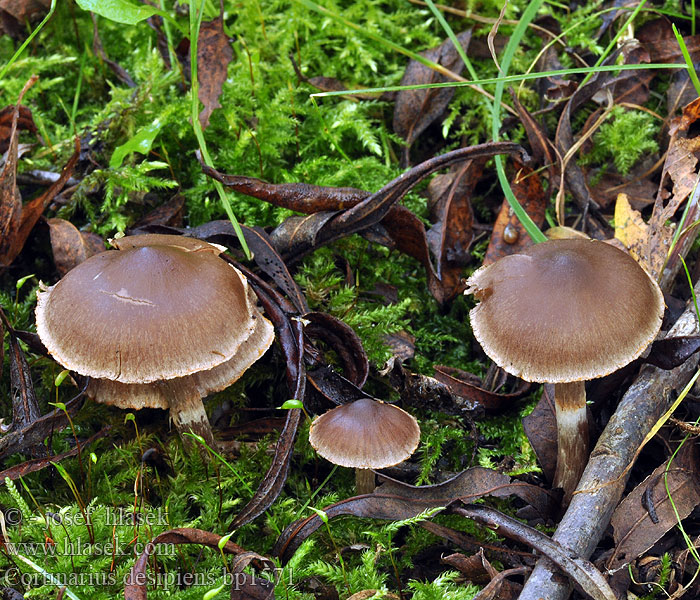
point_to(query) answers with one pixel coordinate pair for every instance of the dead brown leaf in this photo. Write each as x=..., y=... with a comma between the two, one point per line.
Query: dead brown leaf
x=12, y=242
x=681, y=168
x=394, y=500
x=452, y=234
x=70, y=246
x=402, y=344
x=37, y=464
x=214, y=53
x=343, y=340
x=137, y=580
x=659, y=39
x=24, y=121
x=509, y=236
x=633, y=232
x=169, y=213
x=640, y=190
x=25, y=9
x=99, y=50
x=633, y=87
x=541, y=430
x=414, y=110
x=10, y=199
x=655, y=506
x=477, y=569
x=468, y=385
x=14, y=14
x=551, y=89
x=542, y=149
x=342, y=211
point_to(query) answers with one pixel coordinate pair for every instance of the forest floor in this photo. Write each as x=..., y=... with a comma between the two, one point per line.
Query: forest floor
x=375, y=154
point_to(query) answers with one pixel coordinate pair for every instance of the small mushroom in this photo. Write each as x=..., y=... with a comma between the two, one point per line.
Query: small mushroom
x=365, y=434
x=158, y=323
x=565, y=311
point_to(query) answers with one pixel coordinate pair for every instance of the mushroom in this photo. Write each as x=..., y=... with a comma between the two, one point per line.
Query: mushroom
x=365, y=434
x=158, y=323
x=565, y=311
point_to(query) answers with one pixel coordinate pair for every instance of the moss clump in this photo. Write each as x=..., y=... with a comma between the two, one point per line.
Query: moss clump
x=624, y=138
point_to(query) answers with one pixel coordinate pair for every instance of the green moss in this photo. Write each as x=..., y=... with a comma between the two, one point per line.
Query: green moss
x=624, y=138
x=267, y=127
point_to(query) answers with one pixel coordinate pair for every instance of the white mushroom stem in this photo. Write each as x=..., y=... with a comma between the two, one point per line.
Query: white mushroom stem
x=364, y=481
x=572, y=435
x=187, y=412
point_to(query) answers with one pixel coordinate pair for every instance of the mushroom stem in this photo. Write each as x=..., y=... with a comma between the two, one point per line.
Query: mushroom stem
x=188, y=414
x=572, y=435
x=364, y=481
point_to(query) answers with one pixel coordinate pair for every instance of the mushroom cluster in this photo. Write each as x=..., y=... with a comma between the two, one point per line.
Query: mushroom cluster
x=565, y=311
x=159, y=323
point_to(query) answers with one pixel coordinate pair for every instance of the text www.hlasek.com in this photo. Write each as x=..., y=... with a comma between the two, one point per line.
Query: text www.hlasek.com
x=82, y=547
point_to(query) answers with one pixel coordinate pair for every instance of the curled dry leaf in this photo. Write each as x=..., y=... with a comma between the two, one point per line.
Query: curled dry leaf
x=37, y=464
x=394, y=500
x=17, y=221
x=554, y=88
x=453, y=232
x=543, y=153
x=70, y=246
x=407, y=234
x=509, y=236
x=656, y=505
x=38, y=430
x=10, y=199
x=289, y=334
x=681, y=167
x=671, y=352
x=650, y=242
x=25, y=407
x=478, y=569
x=247, y=586
x=214, y=53
x=343, y=341
x=344, y=211
x=414, y=110
x=541, y=430
x=633, y=87
x=402, y=345
x=468, y=385
x=137, y=580
x=169, y=213
x=475, y=568
x=581, y=572
x=14, y=14
x=24, y=122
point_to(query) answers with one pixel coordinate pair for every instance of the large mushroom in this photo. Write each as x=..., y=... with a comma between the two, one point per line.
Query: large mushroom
x=565, y=311
x=365, y=434
x=158, y=323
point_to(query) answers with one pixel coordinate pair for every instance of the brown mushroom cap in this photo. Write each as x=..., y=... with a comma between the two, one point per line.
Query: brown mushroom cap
x=159, y=393
x=365, y=434
x=148, y=312
x=565, y=310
